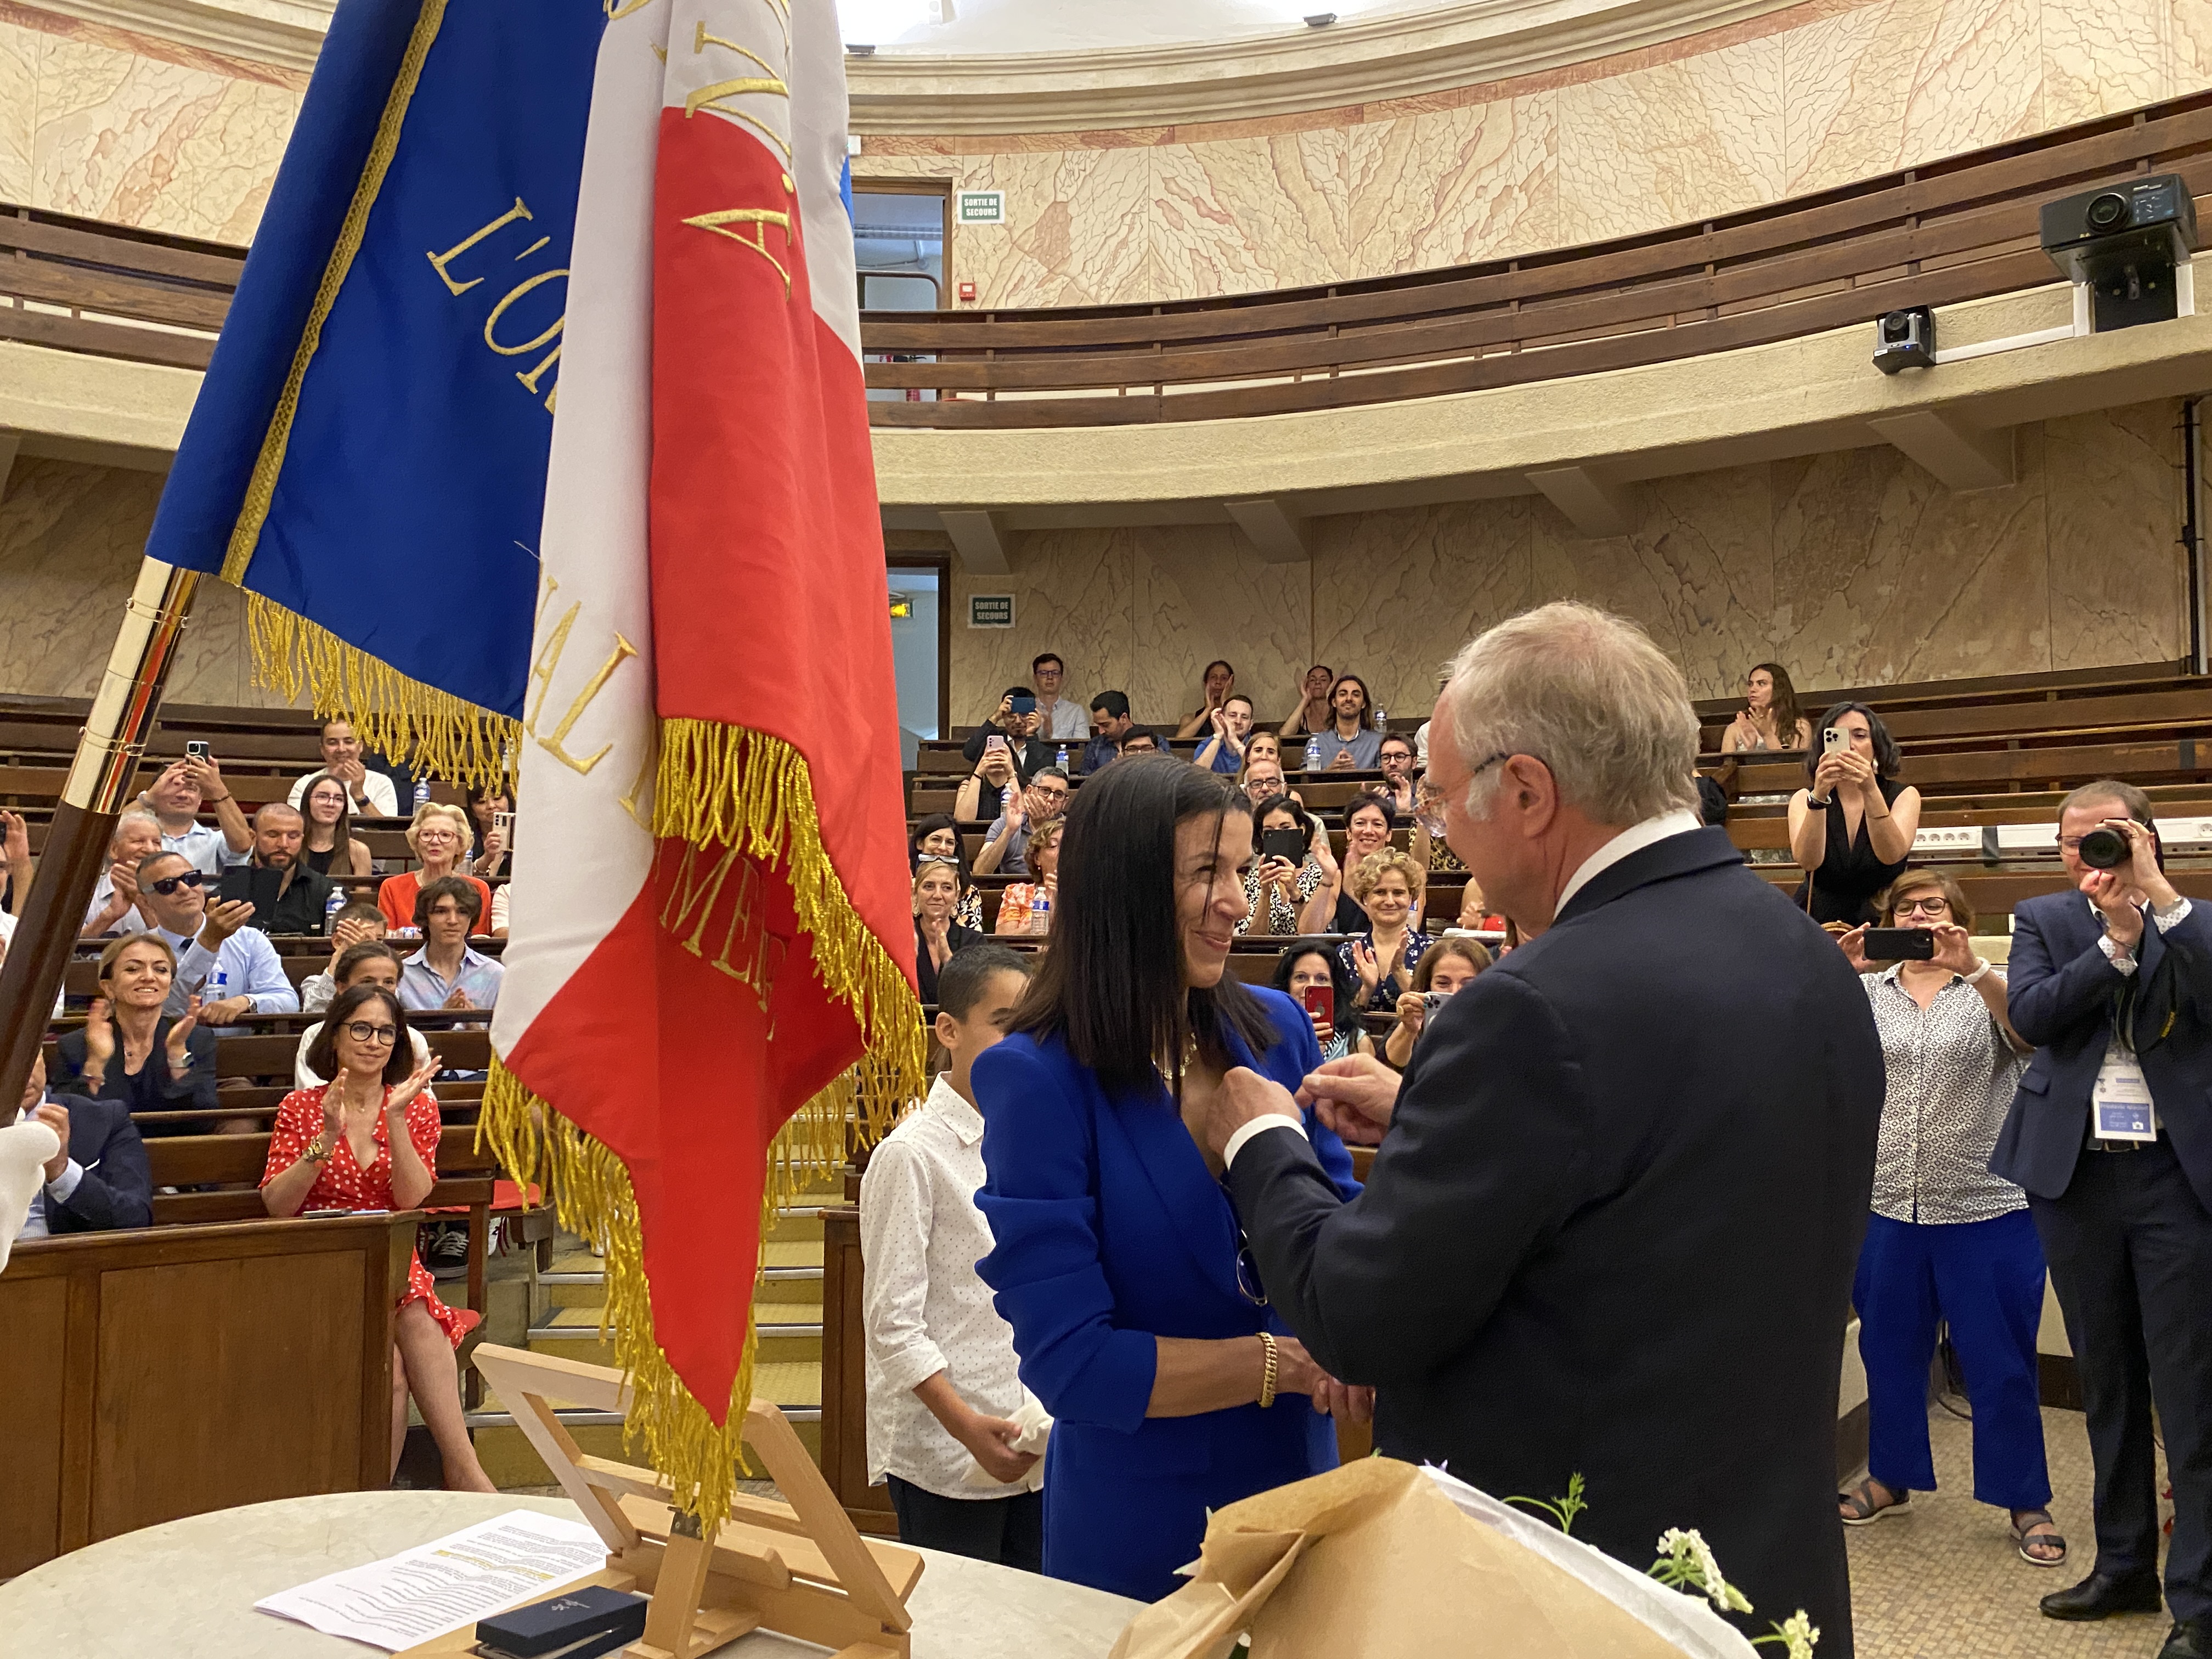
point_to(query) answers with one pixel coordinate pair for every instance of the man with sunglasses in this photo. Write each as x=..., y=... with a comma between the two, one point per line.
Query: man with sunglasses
x=209, y=938
x=1005, y=846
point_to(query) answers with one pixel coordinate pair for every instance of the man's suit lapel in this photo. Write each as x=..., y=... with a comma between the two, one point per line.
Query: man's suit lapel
x=1677, y=855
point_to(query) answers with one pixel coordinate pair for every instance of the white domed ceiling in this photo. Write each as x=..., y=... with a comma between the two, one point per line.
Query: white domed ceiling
x=972, y=28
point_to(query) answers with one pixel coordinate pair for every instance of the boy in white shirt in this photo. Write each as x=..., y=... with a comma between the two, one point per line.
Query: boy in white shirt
x=945, y=1404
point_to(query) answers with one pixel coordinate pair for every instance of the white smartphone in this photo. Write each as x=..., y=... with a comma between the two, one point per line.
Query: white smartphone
x=1834, y=739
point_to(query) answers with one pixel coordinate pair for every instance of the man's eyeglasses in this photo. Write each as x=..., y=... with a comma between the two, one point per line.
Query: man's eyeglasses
x=1429, y=810
x=1050, y=794
x=361, y=1031
x=169, y=884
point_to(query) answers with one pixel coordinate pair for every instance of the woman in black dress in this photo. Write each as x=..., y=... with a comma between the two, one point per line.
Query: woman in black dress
x=936, y=934
x=129, y=1051
x=1853, y=829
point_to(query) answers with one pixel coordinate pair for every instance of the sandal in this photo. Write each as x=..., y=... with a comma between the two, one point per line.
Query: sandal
x=2024, y=1534
x=1859, y=1508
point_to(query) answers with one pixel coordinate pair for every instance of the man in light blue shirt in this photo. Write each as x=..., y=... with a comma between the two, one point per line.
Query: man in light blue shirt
x=446, y=973
x=175, y=800
x=210, y=940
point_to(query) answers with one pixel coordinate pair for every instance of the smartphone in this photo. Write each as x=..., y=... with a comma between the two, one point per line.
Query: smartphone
x=258, y=887
x=1025, y=705
x=1320, y=1001
x=1432, y=1001
x=1833, y=738
x=1289, y=845
x=196, y=748
x=504, y=822
x=1898, y=944
x=996, y=740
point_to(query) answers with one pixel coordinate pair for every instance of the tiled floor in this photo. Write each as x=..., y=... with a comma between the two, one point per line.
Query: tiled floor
x=1945, y=1581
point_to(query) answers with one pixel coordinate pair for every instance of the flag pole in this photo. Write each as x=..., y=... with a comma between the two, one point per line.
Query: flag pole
x=108, y=750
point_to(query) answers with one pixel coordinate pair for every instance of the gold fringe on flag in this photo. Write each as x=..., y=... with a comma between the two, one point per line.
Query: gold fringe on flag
x=425, y=729
x=722, y=787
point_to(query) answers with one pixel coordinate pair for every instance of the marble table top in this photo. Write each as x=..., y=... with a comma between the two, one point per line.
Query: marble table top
x=186, y=1590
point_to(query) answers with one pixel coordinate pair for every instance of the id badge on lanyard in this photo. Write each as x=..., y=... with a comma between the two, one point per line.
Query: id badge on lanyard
x=2120, y=1102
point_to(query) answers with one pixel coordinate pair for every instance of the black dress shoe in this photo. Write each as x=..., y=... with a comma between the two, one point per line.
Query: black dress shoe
x=2101, y=1594
x=2190, y=1638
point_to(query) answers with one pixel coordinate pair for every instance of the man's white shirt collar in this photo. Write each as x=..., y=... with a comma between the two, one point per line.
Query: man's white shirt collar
x=1677, y=821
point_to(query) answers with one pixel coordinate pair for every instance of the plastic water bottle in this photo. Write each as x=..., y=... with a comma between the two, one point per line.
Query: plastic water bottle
x=421, y=793
x=1381, y=719
x=1313, y=752
x=1039, y=910
x=217, y=987
x=1059, y=758
x=336, y=902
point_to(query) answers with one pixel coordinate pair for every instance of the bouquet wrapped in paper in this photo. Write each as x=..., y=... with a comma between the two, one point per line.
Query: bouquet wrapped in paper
x=1382, y=1557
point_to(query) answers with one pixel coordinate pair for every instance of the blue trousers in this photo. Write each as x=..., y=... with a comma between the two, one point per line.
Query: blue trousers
x=1985, y=1277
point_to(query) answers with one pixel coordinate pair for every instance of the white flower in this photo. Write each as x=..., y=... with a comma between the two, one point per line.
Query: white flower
x=1800, y=1634
x=1685, y=1550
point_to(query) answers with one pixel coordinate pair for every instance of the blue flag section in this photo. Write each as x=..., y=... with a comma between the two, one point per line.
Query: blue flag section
x=369, y=450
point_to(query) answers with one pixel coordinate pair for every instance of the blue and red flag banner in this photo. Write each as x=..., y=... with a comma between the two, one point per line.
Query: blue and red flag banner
x=539, y=426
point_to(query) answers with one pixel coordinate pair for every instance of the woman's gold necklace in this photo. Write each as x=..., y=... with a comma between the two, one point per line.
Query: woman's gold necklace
x=1168, y=1075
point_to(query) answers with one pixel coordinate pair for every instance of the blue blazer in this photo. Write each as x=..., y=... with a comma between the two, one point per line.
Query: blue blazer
x=1110, y=1230
x=2061, y=995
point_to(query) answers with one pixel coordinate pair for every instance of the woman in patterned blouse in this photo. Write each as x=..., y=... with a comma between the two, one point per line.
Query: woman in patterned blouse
x=1948, y=1240
x=1287, y=897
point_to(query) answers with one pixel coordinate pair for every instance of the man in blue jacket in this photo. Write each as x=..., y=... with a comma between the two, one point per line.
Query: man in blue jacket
x=2111, y=1136
x=100, y=1179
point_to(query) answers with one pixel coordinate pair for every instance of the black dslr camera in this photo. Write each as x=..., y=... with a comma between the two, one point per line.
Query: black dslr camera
x=2105, y=850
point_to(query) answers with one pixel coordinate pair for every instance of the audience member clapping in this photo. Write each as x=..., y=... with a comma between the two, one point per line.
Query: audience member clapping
x=1220, y=679
x=131, y=1050
x=359, y=923
x=1395, y=755
x=1109, y=724
x=369, y=795
x=1768, y=719
x=486, y=808
x=1289, y=895
x=1230, y=727
x=303, y=897
x=440, y=836
x=1059, y=718
x=1311, y=976
x=371, y=962
x=1446, y=966
x=175, y=800
x=114, y=908
x=446, y=973
x=936, y=934
x=99, y=1179
x=937, y=836
x=1369, y=825
x=1350, y=742
x=1853, y=827
x=1948, y=1239
x=1026, y=906
x=329, y=845
x=1313, y=712
x=1383, y=957
x=218, y=955
x=16, y=854
x=1007, y=840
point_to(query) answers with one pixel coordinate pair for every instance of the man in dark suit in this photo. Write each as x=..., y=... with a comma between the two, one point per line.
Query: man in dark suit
x=100, y=1179
x=1612, y=1227
x=2109, y=1135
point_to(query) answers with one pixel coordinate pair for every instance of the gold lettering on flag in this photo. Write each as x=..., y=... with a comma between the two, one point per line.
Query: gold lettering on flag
x=748, y=952
x=533, y=378
x=547, y=665
x=769, y=82
x=439, y=261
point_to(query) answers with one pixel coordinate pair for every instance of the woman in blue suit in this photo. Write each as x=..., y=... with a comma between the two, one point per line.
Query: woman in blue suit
x=1138, y=1316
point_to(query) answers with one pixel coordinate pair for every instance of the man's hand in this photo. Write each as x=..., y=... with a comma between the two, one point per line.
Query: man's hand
x=1243, y=1095
x=459, y=999
x=2114, y=898
x=1342, y=763
x=202, y=770
x=988, y=1441
x=223, y=1012
x=352, y=773
x=1355, y=1097
x=2141, y=872
x=224, y=918
x=124, y=879
x=57, y=1119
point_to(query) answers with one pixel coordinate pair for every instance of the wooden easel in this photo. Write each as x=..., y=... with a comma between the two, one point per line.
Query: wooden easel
x=799, y=1568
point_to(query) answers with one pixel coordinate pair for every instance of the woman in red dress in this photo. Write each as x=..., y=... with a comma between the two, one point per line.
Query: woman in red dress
x=368, y=1140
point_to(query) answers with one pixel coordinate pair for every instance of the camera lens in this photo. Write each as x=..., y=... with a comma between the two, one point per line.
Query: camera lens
x=2104, y=850
x=2108, y=211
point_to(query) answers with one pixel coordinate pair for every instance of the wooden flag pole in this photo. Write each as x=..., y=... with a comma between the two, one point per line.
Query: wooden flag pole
x=108, y=750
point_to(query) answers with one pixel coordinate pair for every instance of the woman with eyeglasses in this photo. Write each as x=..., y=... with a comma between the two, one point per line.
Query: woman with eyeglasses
x=368, y=1140
x=937, y=836
x=1026, y=906
x=372, y=962
x=130, y=1052
x=1948, y=1240
x=441, y=837
x=1119, y=1260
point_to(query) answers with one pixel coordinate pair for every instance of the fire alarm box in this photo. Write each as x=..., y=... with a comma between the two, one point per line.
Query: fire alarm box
x=968, y=293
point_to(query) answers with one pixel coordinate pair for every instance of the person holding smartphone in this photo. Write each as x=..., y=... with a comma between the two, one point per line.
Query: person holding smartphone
x=1851, y=830
x=1311, y=975
x=1013, y=728
x=1446, y=966
x=1947, y=1239
x=1293, y=887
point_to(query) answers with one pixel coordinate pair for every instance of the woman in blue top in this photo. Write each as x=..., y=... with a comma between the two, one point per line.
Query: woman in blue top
x=1138, y=1316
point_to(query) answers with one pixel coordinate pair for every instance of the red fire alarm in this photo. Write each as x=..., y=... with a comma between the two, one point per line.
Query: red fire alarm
x=968, y=293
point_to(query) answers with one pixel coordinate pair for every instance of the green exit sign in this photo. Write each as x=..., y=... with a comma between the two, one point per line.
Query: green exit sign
x=981, y=207
x=990, y=611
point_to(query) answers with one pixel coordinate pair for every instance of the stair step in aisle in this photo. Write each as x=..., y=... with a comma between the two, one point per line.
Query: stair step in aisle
x=572, y=1302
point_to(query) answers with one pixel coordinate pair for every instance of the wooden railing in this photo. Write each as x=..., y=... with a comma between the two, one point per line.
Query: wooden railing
x=1959, y=229
x=111, y=290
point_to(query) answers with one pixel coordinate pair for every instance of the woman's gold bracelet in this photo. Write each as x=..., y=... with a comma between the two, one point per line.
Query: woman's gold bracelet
x=1267, y=1377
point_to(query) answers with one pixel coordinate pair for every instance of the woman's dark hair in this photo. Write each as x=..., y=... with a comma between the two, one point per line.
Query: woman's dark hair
x=1344, y=1016
x=1784, y=706
x=1886, y=757
x=351, y=959
x=929, y=826
x=342, y=831
x=1378, y=802
x=1366, y=699
x=1275, y=803
x=322, y=1052
x=1101, y=987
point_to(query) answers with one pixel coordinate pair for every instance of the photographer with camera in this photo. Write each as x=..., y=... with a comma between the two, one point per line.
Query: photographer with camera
x=2109, y=1137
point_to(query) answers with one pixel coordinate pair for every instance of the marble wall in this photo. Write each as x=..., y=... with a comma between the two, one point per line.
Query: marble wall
x=1852, y=567
x=1814, y=95
x=70, y=539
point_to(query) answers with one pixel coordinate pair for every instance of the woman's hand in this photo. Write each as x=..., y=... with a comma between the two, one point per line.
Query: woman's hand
x=1295, y=1370
x=935, y=929
x=997, y=769
x=1829, y=776
x=494, y=844
x=1854, y=949
x=1743, y=730
x=1412, y=1013
x=1364, y=964
x=1324, y=1028
x=99, y=1036
x=1954, y=949
x=403, y=1095
x=180, y=1035
x=1343, y=1401
x=15, y=838
x=1280, y=873
x=1855, y=772
x=1324, y=854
